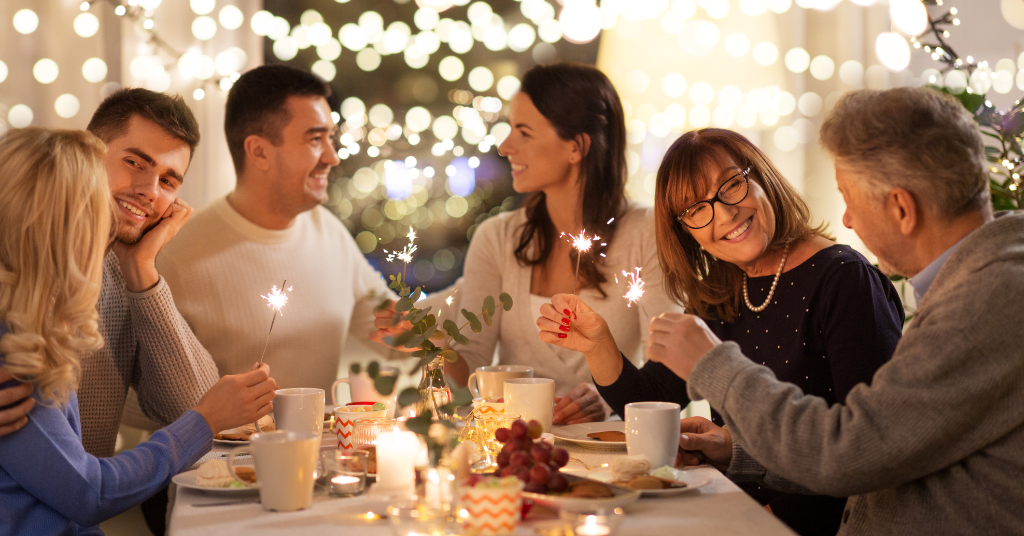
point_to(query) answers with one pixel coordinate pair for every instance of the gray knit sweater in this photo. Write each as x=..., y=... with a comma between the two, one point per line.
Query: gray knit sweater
x=935, y=445
x=147, y=346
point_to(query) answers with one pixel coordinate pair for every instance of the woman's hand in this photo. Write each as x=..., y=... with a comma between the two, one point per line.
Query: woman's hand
x=704, y=441
x=678, y=341
x=238, y=399
x=582, y=404
x=389, y=324
x=570, y=323
x=19, y=398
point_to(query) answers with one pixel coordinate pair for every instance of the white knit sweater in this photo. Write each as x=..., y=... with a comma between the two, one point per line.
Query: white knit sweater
x=221, y=263
x=491, y=268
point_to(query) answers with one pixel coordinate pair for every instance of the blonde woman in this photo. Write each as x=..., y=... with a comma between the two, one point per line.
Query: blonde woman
x=55, y=224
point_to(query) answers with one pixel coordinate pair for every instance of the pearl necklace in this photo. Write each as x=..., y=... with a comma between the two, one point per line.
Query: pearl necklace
x=771, y=292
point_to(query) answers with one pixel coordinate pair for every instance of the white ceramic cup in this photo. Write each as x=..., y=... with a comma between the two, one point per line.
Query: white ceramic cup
x=285, y=468
x=300, y=410
x=532, y=399
x=489, y=382
x=652, y=429
x=361, y=388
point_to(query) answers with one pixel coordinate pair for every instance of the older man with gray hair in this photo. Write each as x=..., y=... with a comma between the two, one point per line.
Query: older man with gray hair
x=935, y=444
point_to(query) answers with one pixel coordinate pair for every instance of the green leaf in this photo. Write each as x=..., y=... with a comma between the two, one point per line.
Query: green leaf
x=420, y=423
x=385, y=385
x=417, y=315
x=430, y=320
x=405, y=292
x=437, y=335
x=403, y=305
x=416, y=295
x=971, y=101
x=1013, y=125
x=461, y=339
x=487, y=319
x=450, y=355
x=373, y=369
x=506, y=300
x=489, y=306
x=408, y=396
x=415, y=341
x=451, y=328
x=474, y=322
x=355, y=368
x=461, y=396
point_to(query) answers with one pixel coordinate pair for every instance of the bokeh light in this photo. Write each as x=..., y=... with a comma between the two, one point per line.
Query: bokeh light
x=86, y=24
x=481, y=79
x=19, y=116
x=25, y=22
x=822, y=67
x=94, y=70
x=797, y=60
x=45, y=71
x=202, y=7
x=580, y=21
x=892, y=50
x=230, y=17
x=66, y=105
x=451, y=68
x=204, y=28
x=461, y=177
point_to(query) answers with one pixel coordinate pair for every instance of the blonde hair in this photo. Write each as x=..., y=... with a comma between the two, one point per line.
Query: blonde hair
x=706, y=286
x=55, y=217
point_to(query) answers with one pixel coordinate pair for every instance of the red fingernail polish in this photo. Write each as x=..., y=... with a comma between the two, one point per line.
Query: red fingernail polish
x=567, y=312
x=562, y=335
x=565, y=321
x=564, y=328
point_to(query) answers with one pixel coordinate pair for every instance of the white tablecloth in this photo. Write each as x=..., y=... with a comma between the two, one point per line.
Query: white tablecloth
x=719, y=508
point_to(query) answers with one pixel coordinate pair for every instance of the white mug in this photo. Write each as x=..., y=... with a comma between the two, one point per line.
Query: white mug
x=532, y=399
x=652, y=429
x=285, y=468
x=490, y=381
x=362, y=389
x=300, y=410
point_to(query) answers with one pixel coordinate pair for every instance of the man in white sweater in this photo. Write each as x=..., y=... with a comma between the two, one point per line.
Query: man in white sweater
x=272, y=228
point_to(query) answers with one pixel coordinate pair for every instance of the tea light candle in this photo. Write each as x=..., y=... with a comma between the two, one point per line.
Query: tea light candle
x=591, y=527
x=396, y=459
x=346, y=485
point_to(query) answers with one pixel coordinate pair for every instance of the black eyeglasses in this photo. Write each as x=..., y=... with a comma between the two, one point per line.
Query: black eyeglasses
x=702, y=213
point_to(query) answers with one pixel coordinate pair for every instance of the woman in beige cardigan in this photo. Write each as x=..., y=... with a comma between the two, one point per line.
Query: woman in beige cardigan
x=567, y=148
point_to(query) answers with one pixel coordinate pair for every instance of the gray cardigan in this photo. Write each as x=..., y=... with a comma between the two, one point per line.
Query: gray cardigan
x=935, y=445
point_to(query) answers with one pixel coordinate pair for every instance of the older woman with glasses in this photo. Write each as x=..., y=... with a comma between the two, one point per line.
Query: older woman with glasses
x=738, y=249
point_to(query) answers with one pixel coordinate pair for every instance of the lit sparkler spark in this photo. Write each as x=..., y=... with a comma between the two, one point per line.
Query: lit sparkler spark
x=406, y=254
x=635, y=288
x=581, y=243
x=277, y=299
x=448, y=300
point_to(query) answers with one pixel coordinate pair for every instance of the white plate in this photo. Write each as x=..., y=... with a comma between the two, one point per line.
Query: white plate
x=622, y=497
x=188, y=480
x=692, y=482
x=577, y=433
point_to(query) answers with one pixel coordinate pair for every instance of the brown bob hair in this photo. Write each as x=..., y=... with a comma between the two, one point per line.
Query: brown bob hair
x=705, y=285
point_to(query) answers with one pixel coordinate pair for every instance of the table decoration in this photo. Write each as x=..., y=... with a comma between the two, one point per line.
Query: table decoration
x=578, y=434
x=346, y=416
x=396, y=459
x=345, y=471
x=480, y=429
x=592, y=521
x=490, y=505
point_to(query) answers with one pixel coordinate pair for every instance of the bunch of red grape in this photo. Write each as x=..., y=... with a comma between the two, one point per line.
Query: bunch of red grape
x=536, y=464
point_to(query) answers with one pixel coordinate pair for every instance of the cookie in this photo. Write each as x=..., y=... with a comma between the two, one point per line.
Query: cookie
x=588, y=489
x=246, y=473
x=645, y=482
x=608, y=436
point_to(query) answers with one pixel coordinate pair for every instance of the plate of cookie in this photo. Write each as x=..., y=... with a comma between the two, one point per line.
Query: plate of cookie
x=241, y=435
x=585, y=492
x=598, y=435
x=213, y=477
x=634, y=472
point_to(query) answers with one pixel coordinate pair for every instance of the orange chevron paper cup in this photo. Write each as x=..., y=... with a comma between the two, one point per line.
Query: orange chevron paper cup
x=344, y=422
x=489, y=511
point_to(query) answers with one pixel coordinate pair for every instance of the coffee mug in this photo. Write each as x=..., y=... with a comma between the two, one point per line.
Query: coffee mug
x=532, y=399
x=285, y=468
x=300, y=410
x=345, y=418
x=362, y=389
x=489, y=382
x=652, y=429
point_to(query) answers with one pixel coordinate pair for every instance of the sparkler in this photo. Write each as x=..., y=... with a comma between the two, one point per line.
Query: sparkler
x=276, y=299
x=635, y=289
x=406, y=254
x=581, y=244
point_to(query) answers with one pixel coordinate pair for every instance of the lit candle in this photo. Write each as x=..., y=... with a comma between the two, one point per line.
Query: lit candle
x=396, y=459
x=591, y=528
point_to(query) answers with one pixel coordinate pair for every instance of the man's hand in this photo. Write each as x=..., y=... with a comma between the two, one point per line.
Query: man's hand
x=678, y=341
x=138, y=261
x=15, y=417
x=582, y=404
x=703, y=441
x=387, y=322
x=239, y=399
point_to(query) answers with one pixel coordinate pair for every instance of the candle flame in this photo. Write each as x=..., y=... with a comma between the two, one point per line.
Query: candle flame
x=277, y=298
x=636, y=286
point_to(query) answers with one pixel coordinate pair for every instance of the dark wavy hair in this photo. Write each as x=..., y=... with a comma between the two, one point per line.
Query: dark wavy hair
x=708, y=287
x=169, y=112
x=579, y=99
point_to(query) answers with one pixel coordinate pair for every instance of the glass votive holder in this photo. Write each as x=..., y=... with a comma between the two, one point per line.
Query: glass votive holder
x=365, y=431
x=410, y=517
x=592, y=521
x=345, y=472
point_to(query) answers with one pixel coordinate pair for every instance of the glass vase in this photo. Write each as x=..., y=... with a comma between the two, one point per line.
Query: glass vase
x=434, y=390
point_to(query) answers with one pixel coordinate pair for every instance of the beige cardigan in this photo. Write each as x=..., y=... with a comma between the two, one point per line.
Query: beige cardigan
x=491, y=268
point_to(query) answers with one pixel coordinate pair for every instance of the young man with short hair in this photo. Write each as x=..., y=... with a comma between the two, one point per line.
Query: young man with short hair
x=272, y=228
x=933, y=445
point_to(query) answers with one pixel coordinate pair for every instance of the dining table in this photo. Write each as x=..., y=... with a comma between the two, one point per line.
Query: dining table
x=719, y=507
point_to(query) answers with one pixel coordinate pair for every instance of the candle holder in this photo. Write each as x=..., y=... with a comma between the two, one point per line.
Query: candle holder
x=591, y=521
x=481, y=431
x=365, y=431
x=345, y=472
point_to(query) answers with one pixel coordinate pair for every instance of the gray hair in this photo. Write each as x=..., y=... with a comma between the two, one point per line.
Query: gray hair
x=917, y=139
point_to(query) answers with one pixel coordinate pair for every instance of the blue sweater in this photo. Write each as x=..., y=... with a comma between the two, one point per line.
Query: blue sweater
x=49, y=485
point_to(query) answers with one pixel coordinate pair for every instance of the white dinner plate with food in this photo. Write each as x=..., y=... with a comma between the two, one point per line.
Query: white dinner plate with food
x=598, y=435
x=188, y=480
x=687, y=481
x=232, y=437
x=620, y=496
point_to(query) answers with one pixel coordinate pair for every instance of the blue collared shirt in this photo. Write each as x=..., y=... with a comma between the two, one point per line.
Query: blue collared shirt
x=924, y=278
